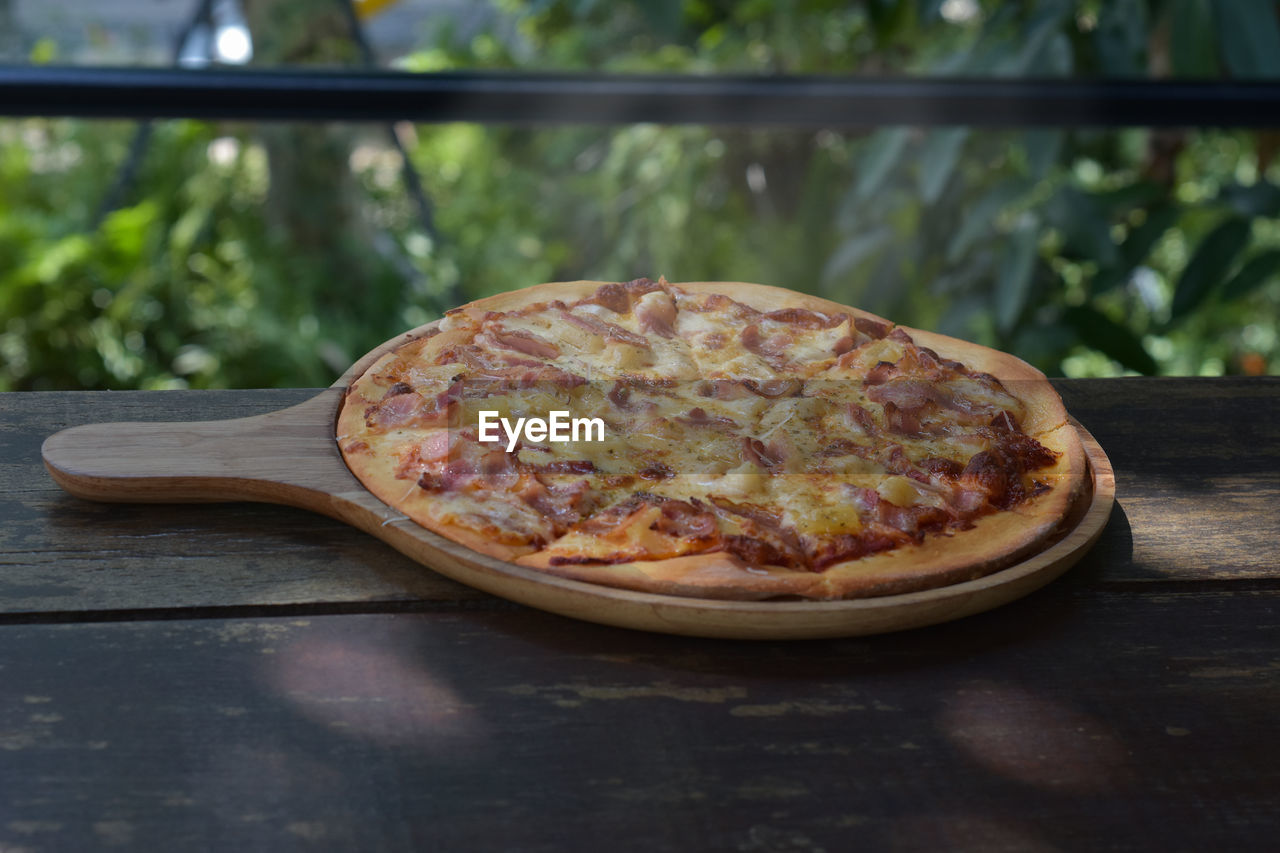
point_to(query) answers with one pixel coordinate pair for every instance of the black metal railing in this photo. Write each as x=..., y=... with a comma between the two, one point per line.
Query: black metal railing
x=560, y=98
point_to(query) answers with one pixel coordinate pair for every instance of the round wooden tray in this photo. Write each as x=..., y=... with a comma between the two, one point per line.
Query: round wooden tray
x=291, y=457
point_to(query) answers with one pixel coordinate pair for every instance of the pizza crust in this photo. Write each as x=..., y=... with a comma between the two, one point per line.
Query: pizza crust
x=716, y=575
x=995, y=542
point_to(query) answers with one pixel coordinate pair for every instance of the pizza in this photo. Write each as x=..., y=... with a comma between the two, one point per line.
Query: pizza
x=713, y=439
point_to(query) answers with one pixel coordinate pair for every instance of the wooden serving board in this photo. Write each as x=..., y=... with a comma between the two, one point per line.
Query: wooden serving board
x=291, y=457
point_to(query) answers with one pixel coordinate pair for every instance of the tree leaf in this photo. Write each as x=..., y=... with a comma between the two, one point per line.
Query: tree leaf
x=853, y=252
x=1137, y=246
x=980, y=219
x=1113, y=340
x=663, y=16
x=1055, y=60
x=938, y=160
x=1121, y=38
x=1260, y=199
x=928, y=11
x=1192, y=50
x=1249, y=37
x=882, y=152
x=1035, y=37
x=889, y=19
x=1212, y=258
x=1256, y=272
x=1123, y=199
x=1043, y=148
x=1084, y=224
x=1014, y=283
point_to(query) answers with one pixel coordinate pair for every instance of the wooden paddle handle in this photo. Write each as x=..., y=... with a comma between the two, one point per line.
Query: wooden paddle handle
x=288, y=456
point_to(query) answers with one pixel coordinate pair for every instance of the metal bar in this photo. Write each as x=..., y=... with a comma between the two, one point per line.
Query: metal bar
x=543, y=98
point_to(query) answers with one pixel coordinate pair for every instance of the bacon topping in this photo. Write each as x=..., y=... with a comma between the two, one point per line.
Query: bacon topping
x=901, y=420
x=619, y=395
x=862, y=418
x=915, y=521
x=775, y=388
x=880, y=373
x=655, y=471
x=723, y=389
x=771, y=348
x=754, y=450
x=611, y=296
x=805, y=319
x=397, y=411
x=828, y=550
x=657, y=315
x=605, y=329
x=764, y=540
x=568, y=466
x=525, y=342
x=685, y=521
x=943, y=468
x=871, y=328
x=996, y=475
x=620, y=298
x=907, y=401
x=841, y=447
x=487, y=382
x=1004, y=422
x=698, y=417
x=480, y=359
x=562, y=504
x=759, y=552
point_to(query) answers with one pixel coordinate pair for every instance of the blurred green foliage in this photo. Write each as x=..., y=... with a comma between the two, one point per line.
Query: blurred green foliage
x=1087, y=252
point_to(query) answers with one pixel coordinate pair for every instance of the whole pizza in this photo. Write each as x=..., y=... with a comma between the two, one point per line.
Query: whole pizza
x=714, y=439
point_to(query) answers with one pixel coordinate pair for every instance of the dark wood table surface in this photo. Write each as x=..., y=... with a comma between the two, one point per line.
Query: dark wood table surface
x=240, y=676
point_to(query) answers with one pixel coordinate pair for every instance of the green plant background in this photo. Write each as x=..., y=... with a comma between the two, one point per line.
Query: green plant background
x=248, y=256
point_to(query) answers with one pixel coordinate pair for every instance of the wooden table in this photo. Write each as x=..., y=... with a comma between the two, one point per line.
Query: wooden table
x=242, y=676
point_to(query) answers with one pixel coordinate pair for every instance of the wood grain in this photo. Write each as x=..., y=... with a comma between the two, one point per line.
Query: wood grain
x=1061, y=723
